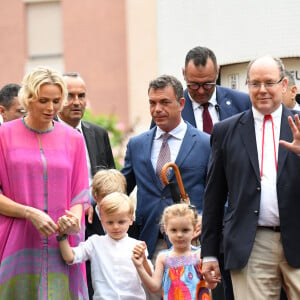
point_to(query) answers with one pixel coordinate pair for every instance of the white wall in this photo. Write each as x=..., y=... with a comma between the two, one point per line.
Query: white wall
x=237, y=31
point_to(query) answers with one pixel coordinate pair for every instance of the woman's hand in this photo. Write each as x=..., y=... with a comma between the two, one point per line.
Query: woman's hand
x=41, y=221
x=69, y=223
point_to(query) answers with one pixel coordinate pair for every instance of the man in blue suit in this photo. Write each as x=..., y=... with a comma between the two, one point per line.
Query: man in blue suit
x=201, y=72
x=189, y=149
x=252, y=168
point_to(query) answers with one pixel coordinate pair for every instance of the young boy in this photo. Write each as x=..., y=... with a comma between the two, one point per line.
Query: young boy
x=104, y=182
x=113, y=273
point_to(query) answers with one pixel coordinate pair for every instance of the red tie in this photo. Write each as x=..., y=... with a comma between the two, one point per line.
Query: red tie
x=267, y=118
x=207, y=121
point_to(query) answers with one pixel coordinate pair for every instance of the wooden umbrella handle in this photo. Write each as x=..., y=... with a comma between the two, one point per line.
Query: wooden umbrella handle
x=183, y=195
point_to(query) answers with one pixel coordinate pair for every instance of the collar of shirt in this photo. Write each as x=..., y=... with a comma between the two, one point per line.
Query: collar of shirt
x=78, y=127
x=97, y=212
x=178, y=132
x=212, y=101
x=276, y=115
x=269, y=213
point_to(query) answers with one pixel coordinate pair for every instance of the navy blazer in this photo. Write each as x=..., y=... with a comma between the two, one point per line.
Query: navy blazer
x=234, y=172
x=230, y=102
x=192, y=161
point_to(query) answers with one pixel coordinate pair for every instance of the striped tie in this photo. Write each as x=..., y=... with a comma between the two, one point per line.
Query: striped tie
x=164, y=155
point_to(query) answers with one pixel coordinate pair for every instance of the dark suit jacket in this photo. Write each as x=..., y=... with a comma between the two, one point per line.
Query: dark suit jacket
x=234, y=171
x=192, y=161
x=98, y=146
x=230, y=102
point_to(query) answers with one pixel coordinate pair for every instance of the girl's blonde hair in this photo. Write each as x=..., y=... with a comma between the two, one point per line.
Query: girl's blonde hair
x=106, y=182
x=180, y=210
x=33, y=81
x=116, y=202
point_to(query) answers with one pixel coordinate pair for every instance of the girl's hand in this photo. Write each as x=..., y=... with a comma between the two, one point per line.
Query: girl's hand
x=41, y=221
x=138, y=254
x=69, y=223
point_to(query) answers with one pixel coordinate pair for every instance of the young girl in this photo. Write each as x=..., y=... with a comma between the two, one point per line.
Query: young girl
x=113, y=273
x=178, y=269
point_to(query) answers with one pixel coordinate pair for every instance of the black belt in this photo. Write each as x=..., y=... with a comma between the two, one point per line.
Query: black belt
x=273, y=228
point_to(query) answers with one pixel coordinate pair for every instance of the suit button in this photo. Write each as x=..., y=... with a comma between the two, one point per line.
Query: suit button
x=163, y=197
x=256, y=212
x=258, y=188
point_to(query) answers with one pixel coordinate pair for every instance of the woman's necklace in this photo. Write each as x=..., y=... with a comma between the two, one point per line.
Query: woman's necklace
x=35, y=130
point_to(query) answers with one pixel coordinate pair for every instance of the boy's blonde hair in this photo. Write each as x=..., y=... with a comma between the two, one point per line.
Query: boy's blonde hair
x=106, y=182
x=180, y=210
x=116, y=202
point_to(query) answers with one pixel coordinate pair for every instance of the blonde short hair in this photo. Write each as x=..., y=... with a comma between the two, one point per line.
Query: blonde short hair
x=106, y=182
x=116, y=202
x=180, y=210
x=33, y=81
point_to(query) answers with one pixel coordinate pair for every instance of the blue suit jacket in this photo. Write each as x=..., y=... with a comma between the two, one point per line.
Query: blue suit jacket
x=234, y=172
x=192, y=161
x=230, y=102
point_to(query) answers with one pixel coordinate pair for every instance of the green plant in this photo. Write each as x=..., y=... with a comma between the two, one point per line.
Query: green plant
x=116, y=133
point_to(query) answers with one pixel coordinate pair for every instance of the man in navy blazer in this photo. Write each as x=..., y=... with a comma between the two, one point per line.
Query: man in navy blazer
x=201, y=72
x=189, y=149
x=262, y=224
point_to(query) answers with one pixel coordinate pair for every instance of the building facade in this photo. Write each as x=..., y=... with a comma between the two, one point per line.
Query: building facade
x=118, y=46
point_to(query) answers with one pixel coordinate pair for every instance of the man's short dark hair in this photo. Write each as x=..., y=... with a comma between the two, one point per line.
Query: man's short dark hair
x=199, y=56
x=167, y=80
x=8, y=93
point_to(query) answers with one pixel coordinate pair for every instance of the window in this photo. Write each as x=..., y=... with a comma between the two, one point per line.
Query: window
x=44, y=34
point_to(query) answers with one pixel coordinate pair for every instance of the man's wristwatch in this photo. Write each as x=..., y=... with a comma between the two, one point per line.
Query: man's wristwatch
x=60, y=238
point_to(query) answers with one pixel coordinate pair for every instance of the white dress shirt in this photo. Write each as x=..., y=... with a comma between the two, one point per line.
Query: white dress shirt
x=113, y=273
x=198, y=110
x=268, y=213
x=174, y=141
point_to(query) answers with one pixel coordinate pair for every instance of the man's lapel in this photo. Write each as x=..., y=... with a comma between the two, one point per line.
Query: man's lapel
x=287, y=135
x=247, y=132
x=90, y=140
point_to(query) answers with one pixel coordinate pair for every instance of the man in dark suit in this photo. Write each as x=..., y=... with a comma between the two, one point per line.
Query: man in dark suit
x=98, y=149
x=201, y=72
x=259, y=177
x=10, y=108
x=188, y=148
